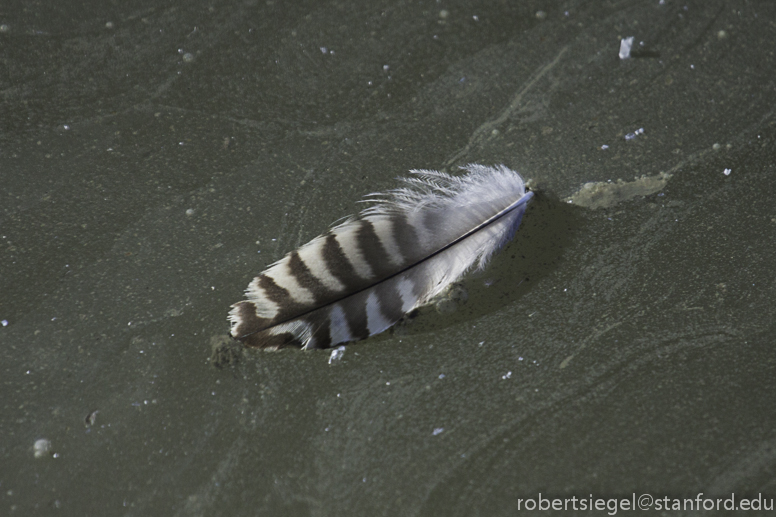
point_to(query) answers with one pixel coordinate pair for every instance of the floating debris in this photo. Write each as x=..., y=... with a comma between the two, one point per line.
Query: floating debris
x=507, y=375
x=727, y=172
x=336, y=354
x=91, y=418
x=603, y=194
x=42, y=448
x=438, y=430
x=625, y=47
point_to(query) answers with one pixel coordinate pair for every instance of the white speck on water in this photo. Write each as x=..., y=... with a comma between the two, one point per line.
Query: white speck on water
x=604, y=147
x=625, y=47
x=727, y=172
x=441, y=375
x=4, y=323
x=444, y=13
x=519, y=358
x=476, y=18
x=386, y=67
x=631, y=136
x=4, y=28
x=190, y=212
x=438, y=430
x=108, y=25
x=42, y=447
x=324, y=50
x=692, y=67
x=336, y=354
x=507, y=375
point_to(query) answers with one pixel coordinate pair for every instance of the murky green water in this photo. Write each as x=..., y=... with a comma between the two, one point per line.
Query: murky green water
x=148, y=152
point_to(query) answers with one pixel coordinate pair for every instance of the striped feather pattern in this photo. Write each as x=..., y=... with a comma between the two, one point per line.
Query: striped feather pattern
x=361, y=276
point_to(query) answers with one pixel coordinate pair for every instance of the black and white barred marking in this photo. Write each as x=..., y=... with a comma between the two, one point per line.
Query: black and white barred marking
x=362, y=276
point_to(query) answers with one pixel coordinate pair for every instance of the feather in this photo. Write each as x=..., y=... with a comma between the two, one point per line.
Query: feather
x=361, y=276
